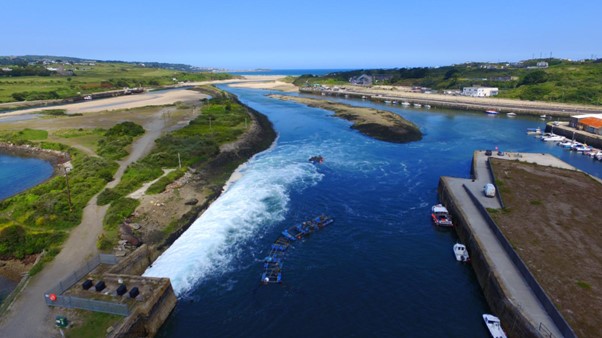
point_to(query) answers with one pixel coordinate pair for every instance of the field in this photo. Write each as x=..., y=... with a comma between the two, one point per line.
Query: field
x=93, y=78
x=552, y=221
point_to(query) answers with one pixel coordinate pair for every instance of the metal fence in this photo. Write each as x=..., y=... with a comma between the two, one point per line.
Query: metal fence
x=88, y=304
x=543, y=298
x=84, y=303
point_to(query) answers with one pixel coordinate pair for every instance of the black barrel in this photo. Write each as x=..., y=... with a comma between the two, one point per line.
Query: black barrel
x=121, y=290
x=134, y=292
x=100, y=286
x=87, y=284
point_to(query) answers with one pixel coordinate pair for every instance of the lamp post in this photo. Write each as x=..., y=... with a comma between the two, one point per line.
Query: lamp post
x=66, y=170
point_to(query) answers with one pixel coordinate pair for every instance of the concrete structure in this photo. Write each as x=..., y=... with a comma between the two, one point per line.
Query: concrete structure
x=542, y=64
x=510, y=290
x=591, y=125
x=480, y=91
x=576, y=118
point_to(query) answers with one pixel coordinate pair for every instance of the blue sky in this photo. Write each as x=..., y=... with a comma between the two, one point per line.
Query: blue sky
x=303, y=34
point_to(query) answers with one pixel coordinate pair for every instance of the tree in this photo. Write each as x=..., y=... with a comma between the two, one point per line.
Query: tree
x=534, y=77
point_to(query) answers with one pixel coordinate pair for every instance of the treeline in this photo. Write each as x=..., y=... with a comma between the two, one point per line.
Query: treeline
x=561, y=81
x=25, y=70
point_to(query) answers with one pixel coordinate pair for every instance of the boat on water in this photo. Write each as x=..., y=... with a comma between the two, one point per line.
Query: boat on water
x=543, y=117
x=582, y=148
x=274, y=261
x=534, y=130
x=565, y=144
x=511, y=114
x=405, y=103
x=316, y=159
x=494, y=325
x=387, y=102
x=441, y=216
x=461, y=253
x=417, y=105
x=491, y=112
x=427, y=106
x=553, y=138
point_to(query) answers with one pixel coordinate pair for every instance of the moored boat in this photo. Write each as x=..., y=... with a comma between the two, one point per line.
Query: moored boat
x=511, y=114
x=417, y=105
x=461, y=253
x=441, y=216
x=405, y=103
x=494, y=325
x=534, y=130
x=553, y=138
x=491, y=112
x=427, y=106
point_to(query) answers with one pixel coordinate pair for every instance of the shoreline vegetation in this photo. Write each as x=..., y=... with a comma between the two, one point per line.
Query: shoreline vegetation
x=378, y=124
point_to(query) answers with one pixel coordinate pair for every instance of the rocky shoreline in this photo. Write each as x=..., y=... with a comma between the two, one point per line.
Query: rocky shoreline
x=55, y=157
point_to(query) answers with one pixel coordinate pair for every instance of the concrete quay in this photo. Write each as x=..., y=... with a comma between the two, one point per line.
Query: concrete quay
x=510, y=290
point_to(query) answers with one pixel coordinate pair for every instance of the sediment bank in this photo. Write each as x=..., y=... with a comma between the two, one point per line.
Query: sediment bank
x=378, y=124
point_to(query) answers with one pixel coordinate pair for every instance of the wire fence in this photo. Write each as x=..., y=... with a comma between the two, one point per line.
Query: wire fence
x=54, y=297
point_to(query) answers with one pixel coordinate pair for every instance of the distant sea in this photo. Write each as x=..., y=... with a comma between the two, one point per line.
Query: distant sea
x=291, y=72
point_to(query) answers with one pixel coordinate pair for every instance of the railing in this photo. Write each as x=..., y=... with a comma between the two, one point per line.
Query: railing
x=545, y=301
x=84, y=303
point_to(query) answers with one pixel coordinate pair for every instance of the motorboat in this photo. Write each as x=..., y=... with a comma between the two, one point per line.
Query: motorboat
x=553, y=138
x=491, y=112
x=511, y=114
x=417, y=105
x=316, y=159
x=441, y=216
x=581, y=148
x=566, y=144
x=405, y=103
x=534, y=130
x=427, y=106
x=461, y=253
x=494, y=325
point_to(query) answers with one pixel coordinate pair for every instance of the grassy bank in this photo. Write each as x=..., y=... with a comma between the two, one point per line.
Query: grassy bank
x=87, y=79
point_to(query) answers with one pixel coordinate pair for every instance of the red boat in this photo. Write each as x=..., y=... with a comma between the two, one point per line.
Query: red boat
x=441, y=216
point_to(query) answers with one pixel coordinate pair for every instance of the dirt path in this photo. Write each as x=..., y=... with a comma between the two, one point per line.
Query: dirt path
x=29, y=316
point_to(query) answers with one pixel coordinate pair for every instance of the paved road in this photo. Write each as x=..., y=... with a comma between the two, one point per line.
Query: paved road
x=519, y=291
x=29, y=316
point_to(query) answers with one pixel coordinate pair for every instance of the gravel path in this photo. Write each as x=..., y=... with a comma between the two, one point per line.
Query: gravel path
x=29, y=316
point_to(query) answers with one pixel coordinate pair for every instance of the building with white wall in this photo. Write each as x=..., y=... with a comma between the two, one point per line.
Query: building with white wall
x=479, y=91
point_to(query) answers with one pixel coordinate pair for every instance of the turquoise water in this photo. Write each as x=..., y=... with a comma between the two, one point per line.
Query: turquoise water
x=18, y=174
x=381, y=270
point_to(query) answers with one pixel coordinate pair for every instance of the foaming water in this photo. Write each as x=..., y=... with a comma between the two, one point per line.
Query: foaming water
x=257, y=199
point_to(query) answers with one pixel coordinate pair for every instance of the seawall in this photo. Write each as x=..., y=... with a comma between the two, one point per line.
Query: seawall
x=578, y=135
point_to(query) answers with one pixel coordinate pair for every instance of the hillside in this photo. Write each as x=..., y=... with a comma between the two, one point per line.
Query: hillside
x=28, y=78
x=562, y=81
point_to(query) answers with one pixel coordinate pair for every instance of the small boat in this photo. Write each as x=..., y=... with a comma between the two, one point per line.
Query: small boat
x=565, y=144
x=581, y=148
x=405, y=103
x=544, y=116
x=394, y=102
x=364, y=97
x=387, y=102
x=534, y=130
x=461, y=253
x=417, y=105
x=511, y=114
x=316, y=159
x=441, y=216
x=553, y=138
x=494, y=326
x=491, y=112
x=427, y=106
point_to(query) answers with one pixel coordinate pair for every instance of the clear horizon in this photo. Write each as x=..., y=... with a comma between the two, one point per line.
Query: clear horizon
x=309, y=35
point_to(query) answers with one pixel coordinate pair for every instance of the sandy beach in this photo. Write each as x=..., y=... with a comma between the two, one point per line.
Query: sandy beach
x=269, y=82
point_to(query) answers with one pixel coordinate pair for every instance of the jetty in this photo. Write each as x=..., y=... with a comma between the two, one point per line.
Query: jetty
x=510, y=289
x=273, y=262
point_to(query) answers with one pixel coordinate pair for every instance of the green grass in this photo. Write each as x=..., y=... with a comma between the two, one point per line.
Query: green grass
x=93, y=324
x=584, y=285
x=23, y=136
x=90, y=79
x=159, y=186
x=39, y=217
x=117, y=212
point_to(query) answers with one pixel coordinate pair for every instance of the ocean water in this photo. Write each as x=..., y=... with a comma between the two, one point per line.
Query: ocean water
x=290, y=72
x=18, y=174
x=381, y=270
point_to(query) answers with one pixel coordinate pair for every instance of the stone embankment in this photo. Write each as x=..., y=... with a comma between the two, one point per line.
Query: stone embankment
x=575, y=134
x=459, y=102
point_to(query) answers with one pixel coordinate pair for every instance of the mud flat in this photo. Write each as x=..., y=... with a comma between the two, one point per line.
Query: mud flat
x=378, y=124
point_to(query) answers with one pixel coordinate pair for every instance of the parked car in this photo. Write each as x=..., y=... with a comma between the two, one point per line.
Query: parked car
x=488, y=153
x=489, y=190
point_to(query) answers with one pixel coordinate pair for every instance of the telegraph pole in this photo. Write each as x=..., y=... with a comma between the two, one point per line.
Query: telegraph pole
x=68, y=190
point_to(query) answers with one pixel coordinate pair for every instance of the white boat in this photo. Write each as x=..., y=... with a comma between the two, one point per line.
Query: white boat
x=491, y=112
x=494, y=325
x=394, y=102
x=417, y=105
x=427, y=106
x=441, y=216
x=405, y=103
x=565, y=144
x=544, y=116
x=461, y=252
x=553, y=138
x=387, y=102
x=511, y=114
x=534, y=130
x=581, y=148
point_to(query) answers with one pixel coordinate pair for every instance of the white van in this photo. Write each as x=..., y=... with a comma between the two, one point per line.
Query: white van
x=489, y=190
